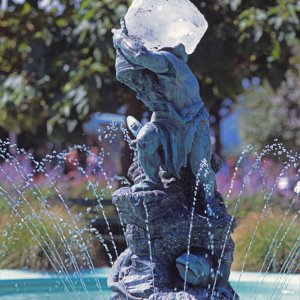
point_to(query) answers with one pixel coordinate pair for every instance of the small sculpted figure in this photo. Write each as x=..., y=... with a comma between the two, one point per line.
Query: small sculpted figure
x=178, y=134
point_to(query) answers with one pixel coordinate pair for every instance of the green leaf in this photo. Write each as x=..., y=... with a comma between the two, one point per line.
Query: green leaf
x=276, y=52
x=89, y=15
x=62, y=22
x=26, y=9
x=66, y=110
x=98, y=67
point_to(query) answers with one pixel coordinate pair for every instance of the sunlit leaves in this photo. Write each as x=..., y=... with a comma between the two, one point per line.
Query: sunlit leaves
x=17, y=100
x=268, y=115
x=63, y=53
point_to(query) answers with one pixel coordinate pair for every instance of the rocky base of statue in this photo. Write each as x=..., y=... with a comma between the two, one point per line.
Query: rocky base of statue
x=158, y=224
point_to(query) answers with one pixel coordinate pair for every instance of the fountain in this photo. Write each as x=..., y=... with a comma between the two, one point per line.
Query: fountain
x=175, y=222
x=177, y=226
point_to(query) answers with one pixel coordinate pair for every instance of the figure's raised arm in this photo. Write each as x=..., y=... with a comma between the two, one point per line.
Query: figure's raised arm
x=137, y=53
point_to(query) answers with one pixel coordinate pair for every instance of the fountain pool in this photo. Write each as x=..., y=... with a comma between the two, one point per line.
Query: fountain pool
x=25, y=285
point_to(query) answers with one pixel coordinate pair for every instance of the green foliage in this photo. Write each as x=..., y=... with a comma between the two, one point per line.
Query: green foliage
x=273, y=233
x=69, y=187
x=31, y=241
x=63, y=59
x=253, y=203
x=41, y=237
x=54, y=64
x=258, y=121
x=274, y=239
x=18, y=102
x=244, y=39
x=268, y=115
x=37, y=231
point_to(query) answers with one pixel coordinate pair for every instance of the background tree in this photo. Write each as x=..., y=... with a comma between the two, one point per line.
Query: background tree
x=61, y=60
x=267, y=115
x=245, y=38
x=57, y=65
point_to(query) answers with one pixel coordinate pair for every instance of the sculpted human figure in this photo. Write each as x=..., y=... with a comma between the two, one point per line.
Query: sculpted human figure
x=178, y=134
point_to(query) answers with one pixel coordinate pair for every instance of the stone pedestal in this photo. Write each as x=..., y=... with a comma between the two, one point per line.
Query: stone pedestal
x=157, y=232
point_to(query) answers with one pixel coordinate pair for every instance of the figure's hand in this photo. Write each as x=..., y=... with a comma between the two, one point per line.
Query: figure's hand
x=120, y=34
x=124, y=30
x=117, y=38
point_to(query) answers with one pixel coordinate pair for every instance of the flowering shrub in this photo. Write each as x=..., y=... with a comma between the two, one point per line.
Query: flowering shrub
x=40, y=227
x=44, y=238
x=262, y=194
x=276, y=180
x=269, y=245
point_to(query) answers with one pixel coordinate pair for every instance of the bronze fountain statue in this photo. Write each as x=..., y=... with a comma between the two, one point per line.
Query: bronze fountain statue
x=177, y=227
